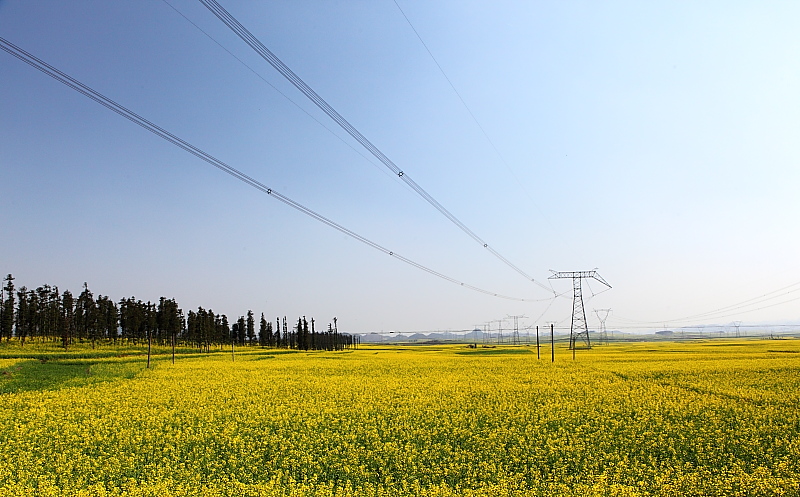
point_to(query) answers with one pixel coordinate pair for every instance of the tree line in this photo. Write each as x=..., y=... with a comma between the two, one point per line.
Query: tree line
x=46, y=314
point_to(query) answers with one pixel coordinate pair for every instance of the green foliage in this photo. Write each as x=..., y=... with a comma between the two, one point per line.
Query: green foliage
x=41, y=374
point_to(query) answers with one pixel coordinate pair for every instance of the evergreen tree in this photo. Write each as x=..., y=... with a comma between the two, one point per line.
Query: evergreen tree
x=168, y=320
x=22, y=314
x=54, y=313
x=67, y=318
x=263, y=332
x=306, y=338
x=191, y=327
x=251, y=328
x=298, y=333
x=85, y=315
x=225, y=331
x=107, y=319
x=235, y=332
x=7, y=320
x=242, y=330
x=209, y=321
x=41, y=313
x=33, y=315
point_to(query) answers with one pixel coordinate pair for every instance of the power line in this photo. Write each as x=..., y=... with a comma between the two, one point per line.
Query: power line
x=110, y=104
x=713, y=314
x=472, y=115
x=254, y=43
x=262, y=78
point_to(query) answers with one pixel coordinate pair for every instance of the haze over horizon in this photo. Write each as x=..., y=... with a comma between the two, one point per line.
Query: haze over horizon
x=657, y=143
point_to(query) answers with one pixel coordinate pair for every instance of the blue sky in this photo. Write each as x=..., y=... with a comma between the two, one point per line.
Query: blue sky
x=657, y=142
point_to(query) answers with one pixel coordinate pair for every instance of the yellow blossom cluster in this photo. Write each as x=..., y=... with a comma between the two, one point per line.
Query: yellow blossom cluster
x=660, y=419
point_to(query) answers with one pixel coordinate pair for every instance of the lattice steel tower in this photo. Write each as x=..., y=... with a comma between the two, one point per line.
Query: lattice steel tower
x=578, y=330
x=603, y=330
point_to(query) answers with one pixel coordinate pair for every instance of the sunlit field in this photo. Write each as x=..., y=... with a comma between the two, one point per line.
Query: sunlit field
x=700, y=418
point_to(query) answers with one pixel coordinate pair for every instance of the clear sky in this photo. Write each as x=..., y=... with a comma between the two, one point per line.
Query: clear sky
x=656, y=141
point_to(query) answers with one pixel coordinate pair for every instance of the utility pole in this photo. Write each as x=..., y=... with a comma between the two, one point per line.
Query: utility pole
x=552, y=345
x=578, y=329
x=538, y=354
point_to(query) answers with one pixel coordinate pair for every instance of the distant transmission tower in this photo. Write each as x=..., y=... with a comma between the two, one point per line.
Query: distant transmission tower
x=736, y=325
x=578, y=330
x=603, y=331
x=515, y=335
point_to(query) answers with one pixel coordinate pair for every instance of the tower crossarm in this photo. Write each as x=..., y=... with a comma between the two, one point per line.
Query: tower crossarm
x=557, y=275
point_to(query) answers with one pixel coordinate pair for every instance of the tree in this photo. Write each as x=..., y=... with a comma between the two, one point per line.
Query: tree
x=251, y=328
x=263, y=332
x=86, y=315
x=67, y=321
x=7, y=319
x=242, y=330
x=298, y=332
x=168, y=320
x=22, y=316
x=225, y=330
x=107, y=319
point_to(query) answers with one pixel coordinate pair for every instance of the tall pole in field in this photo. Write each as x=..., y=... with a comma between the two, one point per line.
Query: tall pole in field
x=552, y=345
x=538, y=354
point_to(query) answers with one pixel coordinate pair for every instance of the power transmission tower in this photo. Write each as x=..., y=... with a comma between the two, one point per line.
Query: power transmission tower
x=603, y=331
x=499, y=331
x=578, y=330
x=515, y=335
x=736, y=325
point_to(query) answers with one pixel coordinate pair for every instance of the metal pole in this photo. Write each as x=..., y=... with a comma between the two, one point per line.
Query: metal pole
x=538, y=352
x=552, y=345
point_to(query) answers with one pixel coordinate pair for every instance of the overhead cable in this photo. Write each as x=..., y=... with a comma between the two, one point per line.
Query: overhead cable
x=254, y=43
x=285, y=96
x=471, y=114
x=110, y=104
x=733, y=309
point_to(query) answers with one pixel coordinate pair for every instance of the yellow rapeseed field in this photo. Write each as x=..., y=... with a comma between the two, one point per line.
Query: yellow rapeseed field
x=661, y=419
